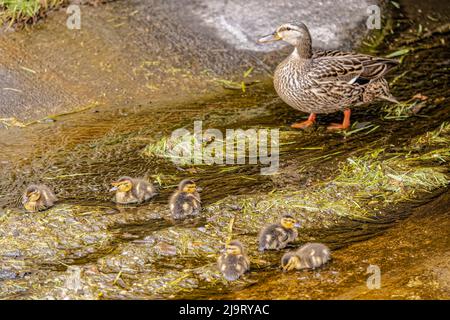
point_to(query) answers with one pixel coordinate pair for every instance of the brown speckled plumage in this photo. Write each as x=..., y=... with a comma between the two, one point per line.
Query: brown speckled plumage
x=327, y=81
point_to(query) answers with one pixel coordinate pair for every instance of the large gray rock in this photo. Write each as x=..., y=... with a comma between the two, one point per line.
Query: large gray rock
x=240, y=23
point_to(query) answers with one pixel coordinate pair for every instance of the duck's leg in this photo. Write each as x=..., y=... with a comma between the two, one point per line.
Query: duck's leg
x=344, y=125
x=305, y=124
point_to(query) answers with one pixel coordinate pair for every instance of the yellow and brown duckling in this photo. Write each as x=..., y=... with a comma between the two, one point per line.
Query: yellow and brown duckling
x=186, y=200
x=233, y=263
x=308, y=256
x=326, y=81
x=38, y=197
x=276, y=236
x=132, y=191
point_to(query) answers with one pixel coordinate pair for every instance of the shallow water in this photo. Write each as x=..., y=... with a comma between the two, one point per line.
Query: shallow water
x=80, y=154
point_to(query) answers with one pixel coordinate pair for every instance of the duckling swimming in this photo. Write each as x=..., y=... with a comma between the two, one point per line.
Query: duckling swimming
x=186, y=200
x=38, y=198
x=276, y=236
x=132, y=191
x=308, y=256
x=234, y=262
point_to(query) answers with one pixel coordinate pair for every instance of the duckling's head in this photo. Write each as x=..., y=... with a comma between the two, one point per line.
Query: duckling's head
x=293, y=33
x=187, y=186
x=290, y=261
x=289, y=222
x=32, y=194
x=124, y=184
x=234, y=248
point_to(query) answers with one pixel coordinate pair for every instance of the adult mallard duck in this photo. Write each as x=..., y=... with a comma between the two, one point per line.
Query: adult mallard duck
x=326, y=81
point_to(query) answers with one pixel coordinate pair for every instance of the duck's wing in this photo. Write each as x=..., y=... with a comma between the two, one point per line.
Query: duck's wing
x=348, y=66
x=331, y=53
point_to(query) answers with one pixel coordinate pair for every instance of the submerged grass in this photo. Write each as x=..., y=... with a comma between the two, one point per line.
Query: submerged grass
x=363, y=187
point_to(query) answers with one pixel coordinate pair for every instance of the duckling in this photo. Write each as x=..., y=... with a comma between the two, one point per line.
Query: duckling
x=186, y=200
x=38, y=198
x=308, y=256
x=276, y=236
x=326, y=81
x=132, y=191
x=234, y=262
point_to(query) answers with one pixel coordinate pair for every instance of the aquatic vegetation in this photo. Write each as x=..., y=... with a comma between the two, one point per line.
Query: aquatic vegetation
x=440, y=136
x=389, y=178
x=362, y=186
x=25, y=11
x=242, y=85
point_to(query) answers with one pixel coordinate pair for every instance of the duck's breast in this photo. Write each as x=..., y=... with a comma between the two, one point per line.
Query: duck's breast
x=289, y=83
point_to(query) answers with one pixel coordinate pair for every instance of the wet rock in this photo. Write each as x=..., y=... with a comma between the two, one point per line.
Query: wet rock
x=330, y=22
x=7, y=274
x=165, y=249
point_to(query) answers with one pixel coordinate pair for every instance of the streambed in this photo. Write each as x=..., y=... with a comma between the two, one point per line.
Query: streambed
x=395, y=186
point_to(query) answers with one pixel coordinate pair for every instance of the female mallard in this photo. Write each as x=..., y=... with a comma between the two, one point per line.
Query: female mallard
x=326, y=81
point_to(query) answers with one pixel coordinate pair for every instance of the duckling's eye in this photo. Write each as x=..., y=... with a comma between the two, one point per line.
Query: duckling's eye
x=288, y=29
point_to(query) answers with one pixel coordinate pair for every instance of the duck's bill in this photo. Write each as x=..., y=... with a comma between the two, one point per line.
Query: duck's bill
x=113, y=189
x=297, y=225
x=269, y=38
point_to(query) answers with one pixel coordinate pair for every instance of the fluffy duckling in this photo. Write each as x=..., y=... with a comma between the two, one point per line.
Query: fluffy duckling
x=309, y=256
x=186, y=200
x=38, y=198
x=132, y=191
x=276, y=236
x=234, y=262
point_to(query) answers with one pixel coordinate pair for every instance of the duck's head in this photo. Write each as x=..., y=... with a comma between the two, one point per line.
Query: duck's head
x=289, y=222
x=290, y=261
x=234, y=248
x=32, y=194
x=293, y=33
x=188, y=186
x=124, y=184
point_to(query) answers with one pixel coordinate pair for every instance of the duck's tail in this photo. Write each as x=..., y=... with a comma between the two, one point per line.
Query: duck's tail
x=389, y=98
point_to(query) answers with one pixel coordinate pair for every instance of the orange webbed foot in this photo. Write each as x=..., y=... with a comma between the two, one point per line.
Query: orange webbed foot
x=305, y=124
x=302, y=125
x=338, y=126
x=344, y=125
